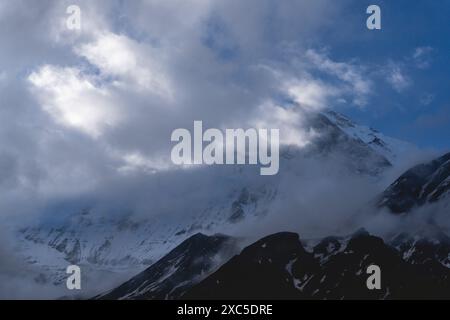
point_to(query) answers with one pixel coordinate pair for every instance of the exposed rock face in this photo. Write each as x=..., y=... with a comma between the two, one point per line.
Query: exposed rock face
x=425, y=183
x=279, y=267
x=179, y=270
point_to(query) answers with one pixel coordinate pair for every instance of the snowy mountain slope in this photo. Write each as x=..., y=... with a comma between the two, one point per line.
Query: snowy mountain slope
x=179, y=270
x=392, y=149
x=425, y=183
x=332, y=141
x=119, y=243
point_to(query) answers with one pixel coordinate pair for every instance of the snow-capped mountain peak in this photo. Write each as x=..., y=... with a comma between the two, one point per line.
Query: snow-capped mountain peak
x=124, y=242
x=392, y=149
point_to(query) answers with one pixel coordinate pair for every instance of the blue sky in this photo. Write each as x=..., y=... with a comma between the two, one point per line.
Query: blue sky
x=414, y=44
x=421, y=112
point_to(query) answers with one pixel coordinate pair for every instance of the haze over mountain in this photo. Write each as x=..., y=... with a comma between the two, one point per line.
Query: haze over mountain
x=118, y=245
x=415, y=265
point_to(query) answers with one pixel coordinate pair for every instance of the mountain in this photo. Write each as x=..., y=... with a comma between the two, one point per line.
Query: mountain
x=334, y=140
x=433, y=250
x=279, y=267
x=390, y=148
x=116, y=245
x=423, y=184
x=178, y=271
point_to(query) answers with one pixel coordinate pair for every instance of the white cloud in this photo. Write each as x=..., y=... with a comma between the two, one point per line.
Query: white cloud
x=125, y=79
x=315, y=81
x=137, y=162
x=80, y=98
x=309, y=93
x=288, y=120
x=422, y=57
x=135, y=65
x=397, y=78
x=351, y=74
x=74, y=100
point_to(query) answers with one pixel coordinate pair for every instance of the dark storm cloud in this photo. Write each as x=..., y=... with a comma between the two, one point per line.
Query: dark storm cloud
x=133, y=74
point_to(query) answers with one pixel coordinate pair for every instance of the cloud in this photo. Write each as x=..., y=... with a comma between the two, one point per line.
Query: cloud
x=3, y=77
x=398, y=73
x=427, y=99
x=270, y=115
x=349, y=73
x=422, y=57
x=315, y=81
x=130, y=64
x=74, y=100
x=313, y=94
x=129, y=89
x=99, y=105
x=397, y=78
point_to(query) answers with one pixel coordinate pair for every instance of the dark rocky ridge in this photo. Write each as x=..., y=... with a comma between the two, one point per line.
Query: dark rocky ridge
x=279, y=267
x=181, y=268
x=425, y=183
